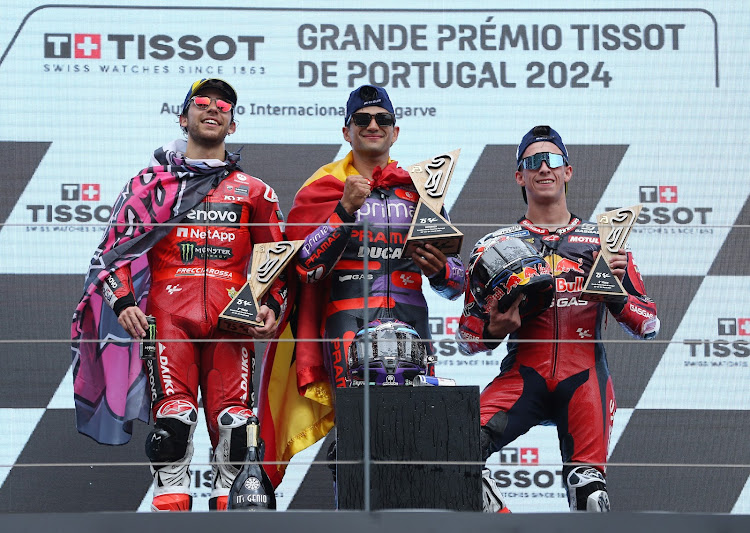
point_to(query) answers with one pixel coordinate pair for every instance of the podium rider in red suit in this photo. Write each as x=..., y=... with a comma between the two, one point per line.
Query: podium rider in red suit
x=195, y=270
x=563, y=383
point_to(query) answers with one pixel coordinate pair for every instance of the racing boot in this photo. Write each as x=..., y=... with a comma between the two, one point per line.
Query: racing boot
x=229, y=453
x=169, y=447
x=492, y=499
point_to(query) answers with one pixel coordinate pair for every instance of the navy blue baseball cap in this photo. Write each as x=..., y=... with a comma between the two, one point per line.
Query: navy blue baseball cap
x=365, y=96
x=540, y=134
x=213, y=83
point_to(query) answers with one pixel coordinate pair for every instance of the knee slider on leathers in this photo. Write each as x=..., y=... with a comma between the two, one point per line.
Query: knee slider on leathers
x=169, y=439
x=491, y=433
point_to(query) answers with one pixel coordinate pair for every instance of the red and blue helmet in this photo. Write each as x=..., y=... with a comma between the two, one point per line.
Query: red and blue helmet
x=505, y=267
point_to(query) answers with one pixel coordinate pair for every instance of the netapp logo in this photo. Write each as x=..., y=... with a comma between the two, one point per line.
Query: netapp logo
x=160, y=47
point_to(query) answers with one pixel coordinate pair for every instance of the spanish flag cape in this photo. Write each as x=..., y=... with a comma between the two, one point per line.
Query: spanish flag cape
x=295, y=403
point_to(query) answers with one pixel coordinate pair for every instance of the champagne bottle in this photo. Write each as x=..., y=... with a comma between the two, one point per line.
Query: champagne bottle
x=252, y=489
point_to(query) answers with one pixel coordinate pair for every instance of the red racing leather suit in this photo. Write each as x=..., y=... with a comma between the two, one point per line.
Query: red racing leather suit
x=196, y=270
x=335, y=250
x=567, y=383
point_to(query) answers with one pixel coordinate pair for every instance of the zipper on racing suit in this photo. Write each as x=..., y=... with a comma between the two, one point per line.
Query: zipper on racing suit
x=384, y=197
x=552, y=252
x=207, y=208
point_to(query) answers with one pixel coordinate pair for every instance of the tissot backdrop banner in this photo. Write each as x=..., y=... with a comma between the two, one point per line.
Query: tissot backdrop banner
x=651, y=100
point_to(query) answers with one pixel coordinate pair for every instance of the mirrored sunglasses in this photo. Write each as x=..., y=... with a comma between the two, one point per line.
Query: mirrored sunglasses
x=533, y=162
x=202, y=102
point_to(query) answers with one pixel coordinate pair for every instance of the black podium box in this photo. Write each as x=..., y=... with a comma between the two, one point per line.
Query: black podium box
x=428, y=429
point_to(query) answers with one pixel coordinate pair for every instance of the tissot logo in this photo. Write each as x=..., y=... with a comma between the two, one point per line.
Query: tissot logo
x=74, y=192
x=519, y=456
x=64, y=211
x=77, y=45
x=734, y=326
x=443, y=326
x=663, y=194
x=704, y=349
x=680, y=215
x=140, y=46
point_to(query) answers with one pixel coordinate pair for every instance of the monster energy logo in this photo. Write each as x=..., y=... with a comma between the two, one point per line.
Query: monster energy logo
x=438, y=171
x=152, y=331
x=189, y=250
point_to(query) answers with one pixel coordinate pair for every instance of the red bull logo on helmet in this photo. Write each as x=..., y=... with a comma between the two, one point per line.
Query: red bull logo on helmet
x=520, y=278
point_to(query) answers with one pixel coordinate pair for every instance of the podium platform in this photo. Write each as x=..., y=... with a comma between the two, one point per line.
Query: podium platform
x=420, y=433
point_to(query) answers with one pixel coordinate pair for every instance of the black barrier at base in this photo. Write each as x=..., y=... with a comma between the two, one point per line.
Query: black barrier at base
x=373, y=522
x=418, y=428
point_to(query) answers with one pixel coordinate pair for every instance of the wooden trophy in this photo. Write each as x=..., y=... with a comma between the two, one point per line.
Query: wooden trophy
x=268, y=262
x=614, y=229
x=431, y=179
